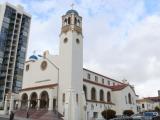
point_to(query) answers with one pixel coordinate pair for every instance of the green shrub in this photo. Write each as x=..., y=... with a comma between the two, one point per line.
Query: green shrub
x=128, y=112
x=1, y=108
x=157, y=109
x=108, y=114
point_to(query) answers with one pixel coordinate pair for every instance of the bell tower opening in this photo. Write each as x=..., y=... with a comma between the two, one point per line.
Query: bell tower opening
x=71, y=21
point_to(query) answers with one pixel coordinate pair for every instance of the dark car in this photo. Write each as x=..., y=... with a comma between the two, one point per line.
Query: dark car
x=156, y=118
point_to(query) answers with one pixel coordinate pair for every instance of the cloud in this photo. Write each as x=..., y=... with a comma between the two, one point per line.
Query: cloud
x=121, y=39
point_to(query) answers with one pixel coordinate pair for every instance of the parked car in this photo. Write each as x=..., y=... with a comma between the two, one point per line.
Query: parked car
x=137, y=117
x=156, y=118
x=150, y=115
x=122, y=118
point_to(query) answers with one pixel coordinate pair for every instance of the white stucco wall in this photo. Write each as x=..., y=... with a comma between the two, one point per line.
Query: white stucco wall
x=146, y=105
x=107, y=81
x=35, y=76
x=120, y=100
x=117, y=97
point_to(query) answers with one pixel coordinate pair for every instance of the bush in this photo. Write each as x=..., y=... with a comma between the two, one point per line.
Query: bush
x=128, y=112
x=1, y=108
x=157, y=109
x=108, y=114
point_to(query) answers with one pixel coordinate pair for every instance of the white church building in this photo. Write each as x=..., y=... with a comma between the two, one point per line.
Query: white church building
x=59, y=82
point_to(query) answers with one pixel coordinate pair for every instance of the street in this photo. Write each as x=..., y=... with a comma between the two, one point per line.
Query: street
x=4, y=118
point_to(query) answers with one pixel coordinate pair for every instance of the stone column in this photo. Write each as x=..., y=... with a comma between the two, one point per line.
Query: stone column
x=28, y=104
x=38, y=104
x=11, y=103
x=50, y=107
x=50, y=103
x=6, y=105
x=19, y=104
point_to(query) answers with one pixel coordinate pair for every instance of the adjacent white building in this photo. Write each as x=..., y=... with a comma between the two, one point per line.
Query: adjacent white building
x=148, y=103
x=60, y=83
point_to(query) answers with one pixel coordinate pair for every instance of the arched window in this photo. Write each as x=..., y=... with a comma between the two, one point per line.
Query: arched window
x=78, y=21
x=77, y=41
x=108, y=97
x=63, y=99
x=93, y=94
x=69, y=20
x=126, y=99
x=129, y=98
x=75, y=21
x=77, y=98
x=85, y=91
x=65, y=22
x=101, y=95
x=65, y=40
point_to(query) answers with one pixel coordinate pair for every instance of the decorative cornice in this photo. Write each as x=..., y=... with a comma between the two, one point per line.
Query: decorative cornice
x=40, y=87
x=103, y=102
x=102, y=75
x=95, y=83
x=67, y=28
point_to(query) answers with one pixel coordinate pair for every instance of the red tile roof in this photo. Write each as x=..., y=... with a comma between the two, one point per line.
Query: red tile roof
x=118, y=87
x=113, y=88
x=155, y=99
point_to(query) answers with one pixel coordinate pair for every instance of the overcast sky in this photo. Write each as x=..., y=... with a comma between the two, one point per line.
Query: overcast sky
x=121, y=37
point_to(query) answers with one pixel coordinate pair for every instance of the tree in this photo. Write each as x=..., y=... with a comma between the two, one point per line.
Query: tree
x=108, y=114
x=157, y=109
x=128, y=112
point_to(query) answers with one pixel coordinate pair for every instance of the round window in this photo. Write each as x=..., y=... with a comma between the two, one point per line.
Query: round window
x=43, y=65
x=77, y=41
x=65, y=40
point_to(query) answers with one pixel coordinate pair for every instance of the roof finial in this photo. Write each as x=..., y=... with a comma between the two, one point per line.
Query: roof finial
x=72, y=5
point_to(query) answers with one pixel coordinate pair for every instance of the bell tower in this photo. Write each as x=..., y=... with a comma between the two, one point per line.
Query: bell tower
x=71, y=96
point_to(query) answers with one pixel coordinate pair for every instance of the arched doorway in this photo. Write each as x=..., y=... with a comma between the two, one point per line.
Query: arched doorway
x=44, y=100
x=24, y=101
x=33, y=100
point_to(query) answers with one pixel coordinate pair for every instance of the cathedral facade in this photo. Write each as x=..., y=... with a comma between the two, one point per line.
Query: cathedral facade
x=60, y=83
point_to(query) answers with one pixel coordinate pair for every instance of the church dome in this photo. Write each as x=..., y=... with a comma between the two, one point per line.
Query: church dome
x=33, y=57
x=72, y=11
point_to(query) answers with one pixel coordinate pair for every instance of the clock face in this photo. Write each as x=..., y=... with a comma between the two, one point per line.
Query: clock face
x=43, y=65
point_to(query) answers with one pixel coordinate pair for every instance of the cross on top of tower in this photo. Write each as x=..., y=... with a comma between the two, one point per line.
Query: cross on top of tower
x=72, y=5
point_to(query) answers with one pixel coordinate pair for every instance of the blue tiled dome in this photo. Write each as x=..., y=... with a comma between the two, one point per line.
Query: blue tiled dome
x=71, y=11
x=33, y=57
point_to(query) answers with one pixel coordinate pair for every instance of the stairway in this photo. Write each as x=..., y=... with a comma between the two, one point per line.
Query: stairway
x=41, y=114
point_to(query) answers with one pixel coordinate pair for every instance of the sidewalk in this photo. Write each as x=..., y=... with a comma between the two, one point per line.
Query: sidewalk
x=16, y=118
